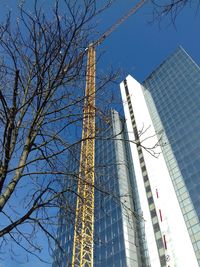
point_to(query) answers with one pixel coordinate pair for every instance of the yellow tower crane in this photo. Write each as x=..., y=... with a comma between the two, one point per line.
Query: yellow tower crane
x=84, y=221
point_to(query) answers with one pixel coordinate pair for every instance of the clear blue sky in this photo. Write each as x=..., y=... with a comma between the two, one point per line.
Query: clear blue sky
x=137, y=47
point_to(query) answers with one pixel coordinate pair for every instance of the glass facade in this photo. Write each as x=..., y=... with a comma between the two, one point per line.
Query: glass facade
x=62, y=255
x=109, y=247
x=119, y=239
x=172, y=94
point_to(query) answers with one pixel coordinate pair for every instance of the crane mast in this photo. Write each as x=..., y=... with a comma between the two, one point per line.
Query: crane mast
x=84, y=221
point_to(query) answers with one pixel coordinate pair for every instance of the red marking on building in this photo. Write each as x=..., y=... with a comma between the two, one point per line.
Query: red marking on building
x=157, y=193
x=165, y=242
x=160, y=215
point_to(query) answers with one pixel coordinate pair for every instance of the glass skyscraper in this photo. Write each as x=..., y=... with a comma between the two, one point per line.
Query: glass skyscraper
x=119, y=239
x=163, y=122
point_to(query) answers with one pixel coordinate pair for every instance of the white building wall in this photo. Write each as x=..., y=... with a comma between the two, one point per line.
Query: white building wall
x=179, y=246
x=151, y=243
x=128, y=220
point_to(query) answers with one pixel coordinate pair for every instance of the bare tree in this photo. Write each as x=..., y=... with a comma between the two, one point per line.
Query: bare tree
x=42, y=74
x=42, y=71
x=171, y=8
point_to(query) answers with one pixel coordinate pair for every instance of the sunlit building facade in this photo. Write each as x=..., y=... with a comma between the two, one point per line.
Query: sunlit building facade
x=163, y=122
